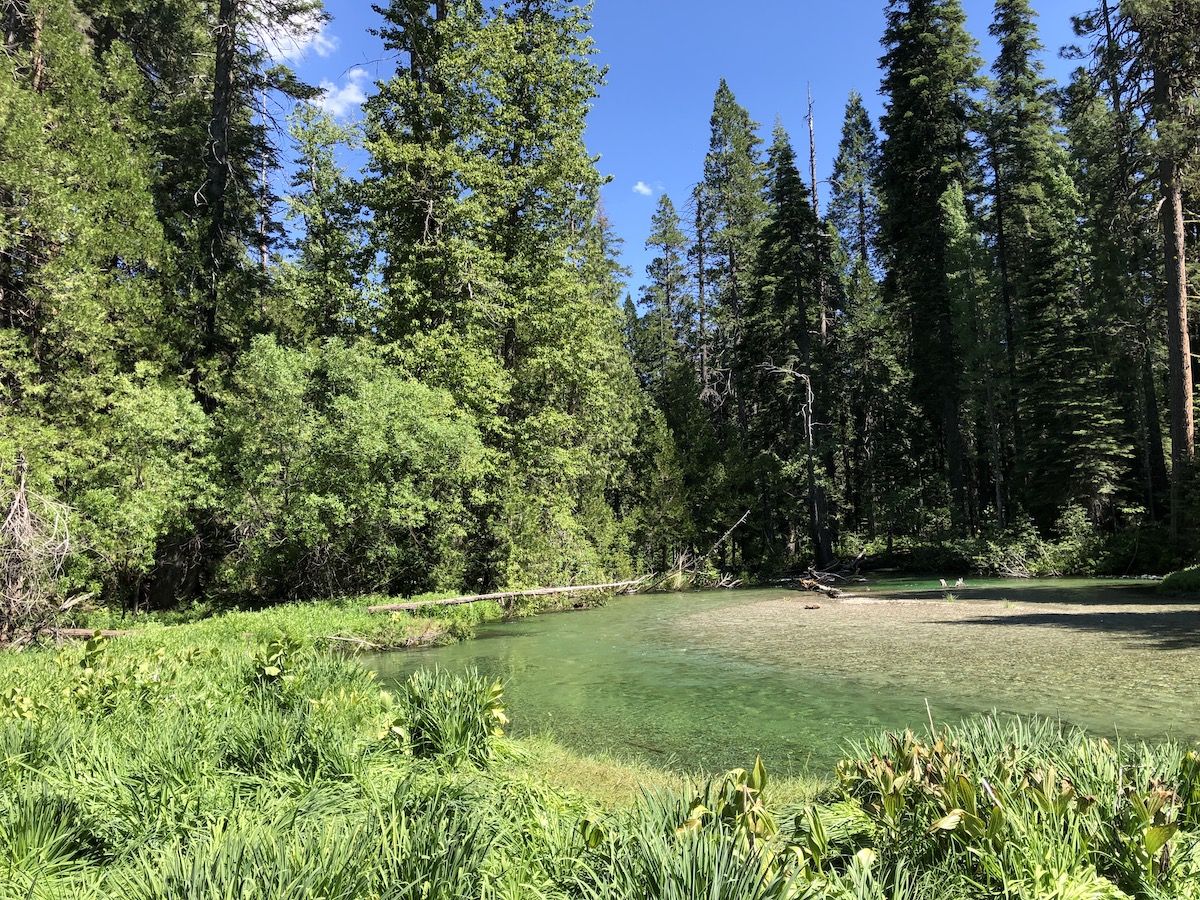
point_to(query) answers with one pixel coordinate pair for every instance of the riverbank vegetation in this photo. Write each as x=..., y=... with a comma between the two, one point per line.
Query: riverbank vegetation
x=1185, y=582
x=233, y=371
x=224, y=758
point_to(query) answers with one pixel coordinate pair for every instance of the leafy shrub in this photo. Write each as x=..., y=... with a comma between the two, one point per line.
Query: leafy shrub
x=723, y=842
x=1185, y=581
x=344, y=476
x=42, y=839
x=1030, y=807
x=254, y=861
x=428, y=846
x=455, y=717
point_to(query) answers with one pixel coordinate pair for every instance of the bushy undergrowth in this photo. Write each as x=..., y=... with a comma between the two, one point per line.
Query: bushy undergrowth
x=1185, y=581
x=1073, y=547
x=218, y=762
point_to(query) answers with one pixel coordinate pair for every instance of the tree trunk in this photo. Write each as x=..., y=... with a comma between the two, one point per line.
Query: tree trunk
x=1154, y=458
x=819, y=237
x=956, y=462
x=701, y=298
x=216, y=183
x=1006, y=302
x=1179, y=355
x=37, y=77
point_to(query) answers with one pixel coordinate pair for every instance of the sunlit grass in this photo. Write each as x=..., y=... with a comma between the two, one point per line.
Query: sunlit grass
x=240, y=758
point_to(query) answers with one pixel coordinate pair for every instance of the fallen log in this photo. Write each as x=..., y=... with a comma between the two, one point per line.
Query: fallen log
x=357, y=642
x=810, y=584
x=84, y=633
x=507, y=595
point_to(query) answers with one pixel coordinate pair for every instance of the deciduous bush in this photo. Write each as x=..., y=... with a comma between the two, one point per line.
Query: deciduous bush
x=344, y=476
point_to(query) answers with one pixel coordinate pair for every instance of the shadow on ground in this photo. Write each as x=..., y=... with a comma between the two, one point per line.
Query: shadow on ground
x=1158, y=629
x=1092, y=595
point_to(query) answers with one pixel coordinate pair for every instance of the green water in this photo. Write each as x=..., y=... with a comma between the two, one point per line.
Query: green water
x=707, y=680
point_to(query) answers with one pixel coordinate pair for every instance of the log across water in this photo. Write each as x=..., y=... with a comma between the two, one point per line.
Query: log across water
x=505, y=595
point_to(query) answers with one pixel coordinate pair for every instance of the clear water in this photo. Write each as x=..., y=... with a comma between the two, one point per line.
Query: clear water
x=707, y=680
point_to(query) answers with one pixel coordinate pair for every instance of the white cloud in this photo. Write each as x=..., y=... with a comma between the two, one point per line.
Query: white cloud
x=339, y=101
x=291, y=41
x=644, y=189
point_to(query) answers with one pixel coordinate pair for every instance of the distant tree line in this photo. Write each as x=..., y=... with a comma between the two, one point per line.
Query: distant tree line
x=418, y=377
x=990, y=315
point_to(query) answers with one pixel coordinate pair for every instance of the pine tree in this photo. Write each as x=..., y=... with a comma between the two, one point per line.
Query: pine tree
x=853, y=203
x=1167, y=57
x=854, y=213
x=777, y=356
x=88, y=382
x=1110, y=158
x=322, y=290
x=731, y=198
x=929, y=79
x=1053, y=347
x=665, y=296
x=500, y=273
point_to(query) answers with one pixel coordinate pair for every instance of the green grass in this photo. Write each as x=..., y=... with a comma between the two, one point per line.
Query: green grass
x=239, y=758
x=337, y=623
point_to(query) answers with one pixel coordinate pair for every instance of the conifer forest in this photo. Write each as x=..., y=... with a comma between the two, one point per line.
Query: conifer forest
x=239, y=368
x=872, y=492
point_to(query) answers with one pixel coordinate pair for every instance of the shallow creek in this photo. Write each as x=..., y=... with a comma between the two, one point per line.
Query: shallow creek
x=707, y=680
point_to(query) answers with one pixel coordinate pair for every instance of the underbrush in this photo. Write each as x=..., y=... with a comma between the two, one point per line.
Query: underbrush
x=223, y=761
x=1183, y=582
x=1074, y=547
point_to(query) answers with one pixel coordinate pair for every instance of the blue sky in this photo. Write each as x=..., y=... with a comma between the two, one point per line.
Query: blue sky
x=665, y=58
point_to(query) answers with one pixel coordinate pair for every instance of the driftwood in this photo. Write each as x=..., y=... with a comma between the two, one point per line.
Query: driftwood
x=615, y=587
x=357, y=642
x=726, y=536
x=810, y=584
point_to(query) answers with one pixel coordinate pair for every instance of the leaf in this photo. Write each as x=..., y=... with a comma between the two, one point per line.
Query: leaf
x=948, y=822
x=866, y=857
x=1157, y=836
x=758, y=777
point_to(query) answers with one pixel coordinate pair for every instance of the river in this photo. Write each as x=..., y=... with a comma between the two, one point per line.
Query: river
x=704, y=681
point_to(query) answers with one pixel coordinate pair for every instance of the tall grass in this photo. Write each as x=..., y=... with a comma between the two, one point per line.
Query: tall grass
x=454, y=717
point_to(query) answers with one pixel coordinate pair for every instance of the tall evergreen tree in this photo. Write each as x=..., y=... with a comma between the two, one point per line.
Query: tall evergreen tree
x=854, y=212
x=322, y=290
x=1053, y=347
x=500, y=274
x=1144, y=56
x=1168, y=59
x=666, y=295
x=777, y=355
x=731, y=199
x=929, y=80
x=88, y=387
x=853, y=202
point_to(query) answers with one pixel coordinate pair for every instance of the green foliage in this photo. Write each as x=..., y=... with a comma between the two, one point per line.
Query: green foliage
x=454, y=717
x=1185, y=581
x=257, y=766
x=344, y=476
x=1030, y=807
